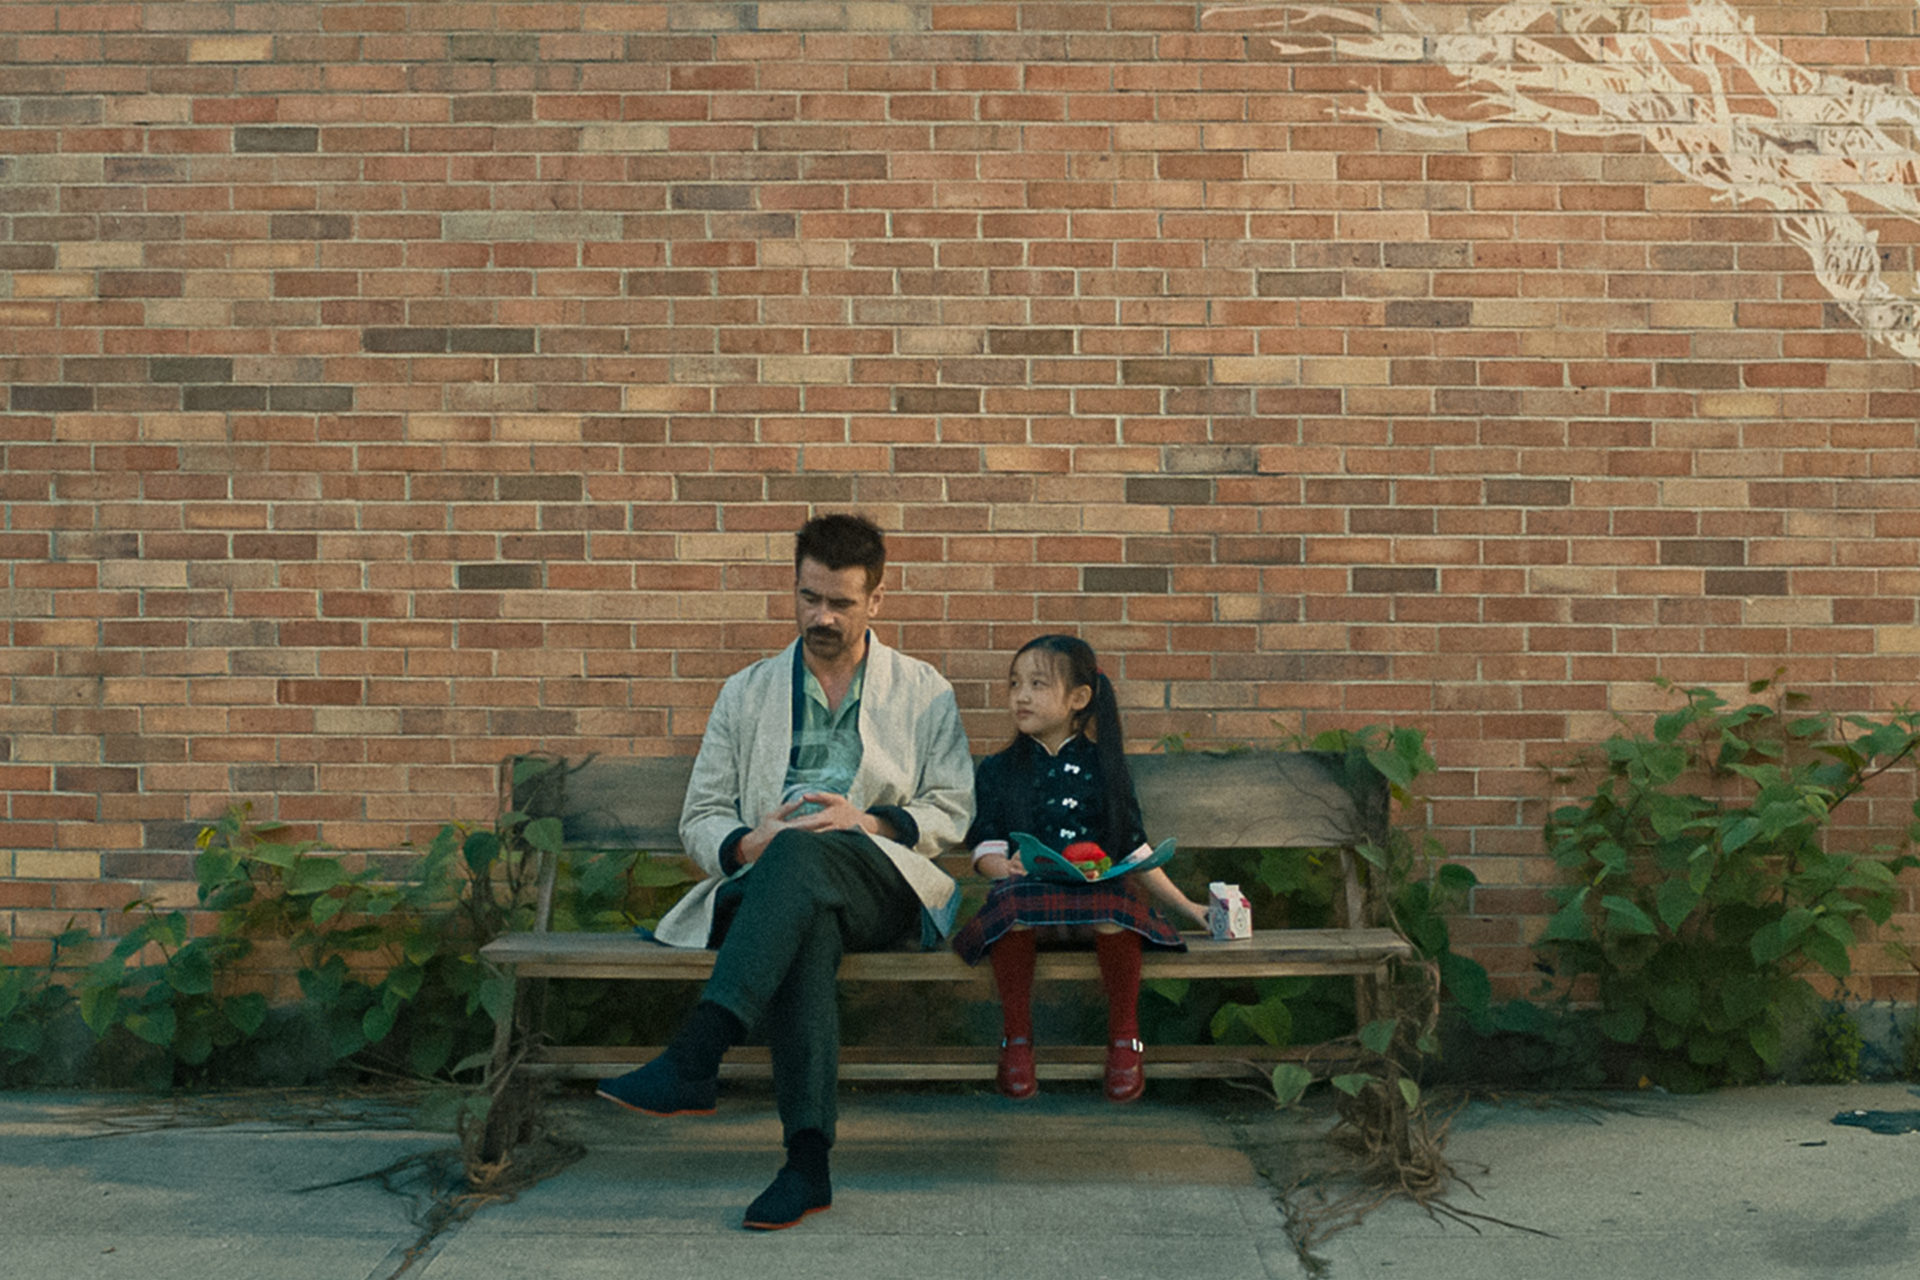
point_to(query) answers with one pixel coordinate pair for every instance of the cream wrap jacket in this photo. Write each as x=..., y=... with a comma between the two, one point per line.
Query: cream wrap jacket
x=914, y=755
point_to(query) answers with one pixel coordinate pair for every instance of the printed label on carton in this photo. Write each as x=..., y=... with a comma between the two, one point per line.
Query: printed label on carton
x=1229, y=914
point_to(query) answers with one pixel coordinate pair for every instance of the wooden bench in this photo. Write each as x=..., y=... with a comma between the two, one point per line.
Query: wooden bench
x=1245, y=801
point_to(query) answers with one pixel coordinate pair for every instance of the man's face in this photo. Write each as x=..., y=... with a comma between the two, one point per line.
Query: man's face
x=833, y=607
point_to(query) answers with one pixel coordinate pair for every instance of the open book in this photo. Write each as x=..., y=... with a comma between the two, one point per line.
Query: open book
x=1047, y=863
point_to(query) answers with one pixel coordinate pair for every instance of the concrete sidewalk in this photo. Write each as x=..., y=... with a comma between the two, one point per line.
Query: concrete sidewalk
x=1743, y=1185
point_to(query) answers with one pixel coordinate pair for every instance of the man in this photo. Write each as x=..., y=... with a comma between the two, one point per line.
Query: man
x=828, y=778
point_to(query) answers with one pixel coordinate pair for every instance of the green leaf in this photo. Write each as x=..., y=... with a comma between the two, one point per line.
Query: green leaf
x=1830, y=955
x=1522, y=1016
x=496, y=996
x=527, y=768
x=190, y=972
x=1397, y=769
x=1172, y=990
x=131, y=944
x=1739, y=833
x=1626, y=917
x=479, y=1058
x=229, y=896
x=214, y=868
x=345, y=1037
x=405, y=981
x=246, y=1013
x=99, y=1007
x=1668, y=815
x=1665, y=763
x=1700, y=869
x=1410, y=1091
x=171, y=929
x=545, y=834
x=1377, y=1036
x=1765, y=1039
x=193, y=1045
x=376, y=1023
x=325, y=908
x=1467, y=982
x=445, y=841
x=1835, y=928
x=275, y=855
x=1624, y=1024
x=1290, y=1080
x=480, y=850
x=1454, y=878
x=1675, y=1001
x=1611, y=857
x=1270, y=1021
x=321, y=985
x=1569, y=923
x=1352, y=1083
x=1675, y=901
x=314, y=875
x=156, y=1025
x=430, y=1053
x=1776, y=938
x=66, y=938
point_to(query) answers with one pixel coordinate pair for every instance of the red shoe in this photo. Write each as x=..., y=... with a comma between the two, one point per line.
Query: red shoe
x=1125, y=1078
x=1015, y=1077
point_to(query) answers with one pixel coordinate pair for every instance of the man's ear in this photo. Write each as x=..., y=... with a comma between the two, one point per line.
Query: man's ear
x=873, y=601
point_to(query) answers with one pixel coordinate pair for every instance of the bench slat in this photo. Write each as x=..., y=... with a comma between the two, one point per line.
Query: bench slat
x=1233, y=800
x=1271, y=953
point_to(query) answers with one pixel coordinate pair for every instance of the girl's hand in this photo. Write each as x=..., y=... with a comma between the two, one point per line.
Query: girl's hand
x=997, y=866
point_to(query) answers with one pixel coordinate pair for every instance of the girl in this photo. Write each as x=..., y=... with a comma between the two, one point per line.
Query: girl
x=1061, y=785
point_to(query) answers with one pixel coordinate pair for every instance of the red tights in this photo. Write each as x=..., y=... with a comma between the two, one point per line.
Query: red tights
x=1119, y=954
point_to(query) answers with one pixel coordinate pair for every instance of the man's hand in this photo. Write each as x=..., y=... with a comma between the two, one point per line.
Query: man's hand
x=835, y=813
x=755, y=842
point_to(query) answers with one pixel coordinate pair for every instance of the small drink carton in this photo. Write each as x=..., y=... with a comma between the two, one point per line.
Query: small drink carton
x=1229, y=914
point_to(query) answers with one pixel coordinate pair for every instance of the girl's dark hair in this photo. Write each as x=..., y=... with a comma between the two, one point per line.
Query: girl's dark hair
x=1073, y=660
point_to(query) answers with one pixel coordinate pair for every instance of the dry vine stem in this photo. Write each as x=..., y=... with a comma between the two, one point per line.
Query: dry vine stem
x=1396, y=1149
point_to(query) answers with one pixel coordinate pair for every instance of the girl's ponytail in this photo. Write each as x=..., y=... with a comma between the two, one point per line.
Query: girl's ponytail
x=1110, y=743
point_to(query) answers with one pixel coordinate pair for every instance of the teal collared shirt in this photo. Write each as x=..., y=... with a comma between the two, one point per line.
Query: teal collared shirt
x=827, y=748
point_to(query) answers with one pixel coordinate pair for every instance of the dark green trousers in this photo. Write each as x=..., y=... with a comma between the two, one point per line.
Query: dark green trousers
x=780, y=931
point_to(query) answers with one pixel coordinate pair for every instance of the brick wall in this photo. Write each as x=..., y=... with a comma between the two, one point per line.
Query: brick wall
x=393, y=386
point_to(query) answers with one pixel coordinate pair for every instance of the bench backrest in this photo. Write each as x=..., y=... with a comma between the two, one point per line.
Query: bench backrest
x=1206, y=800
x=1232, y=800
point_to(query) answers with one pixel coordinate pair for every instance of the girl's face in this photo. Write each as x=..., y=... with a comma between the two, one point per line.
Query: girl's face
x=1042, y=705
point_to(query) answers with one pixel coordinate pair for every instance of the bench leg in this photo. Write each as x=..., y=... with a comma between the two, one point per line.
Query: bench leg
x=503, y=1032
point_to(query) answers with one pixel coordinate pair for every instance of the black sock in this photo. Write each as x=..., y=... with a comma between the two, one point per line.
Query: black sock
x=703, y=1040
x=807, y=1155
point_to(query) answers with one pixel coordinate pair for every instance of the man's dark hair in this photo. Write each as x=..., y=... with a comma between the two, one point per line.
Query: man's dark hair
x=842, y=542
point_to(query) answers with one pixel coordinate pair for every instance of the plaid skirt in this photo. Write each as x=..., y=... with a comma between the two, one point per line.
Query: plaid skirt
x=1040, y=903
